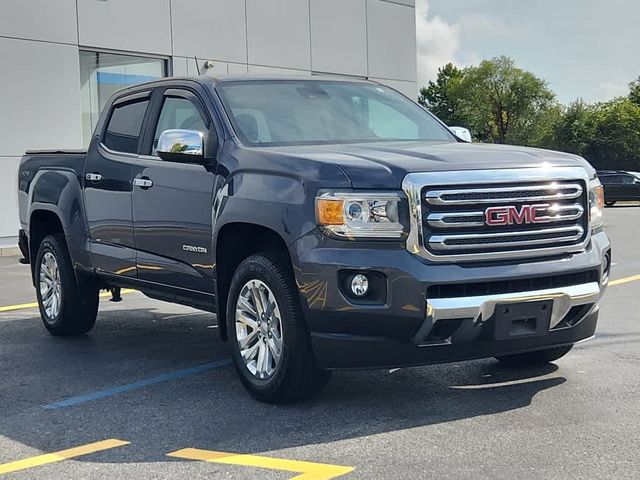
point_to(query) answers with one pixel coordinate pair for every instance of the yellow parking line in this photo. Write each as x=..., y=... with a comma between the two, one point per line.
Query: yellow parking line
x=22, y=306
x=307, y=470
x=10, y=308
x=620, y=281
x=61, y=455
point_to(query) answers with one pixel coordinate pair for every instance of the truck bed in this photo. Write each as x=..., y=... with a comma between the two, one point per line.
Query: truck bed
x=35, y=161
x=57, y=152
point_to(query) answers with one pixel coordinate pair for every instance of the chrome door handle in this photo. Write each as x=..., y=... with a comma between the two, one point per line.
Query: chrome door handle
x=93, y=177
x=143, y=182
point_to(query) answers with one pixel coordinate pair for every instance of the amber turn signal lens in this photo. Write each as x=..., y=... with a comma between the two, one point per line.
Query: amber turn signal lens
x=330, y=212
x=600, y=196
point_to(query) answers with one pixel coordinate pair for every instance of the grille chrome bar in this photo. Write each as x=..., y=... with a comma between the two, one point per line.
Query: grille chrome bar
x=456, y=219
x=530, y=193
x=477, y=241
x=556, y=213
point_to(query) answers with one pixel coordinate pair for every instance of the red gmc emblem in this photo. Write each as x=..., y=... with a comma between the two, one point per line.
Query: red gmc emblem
x=510, y=214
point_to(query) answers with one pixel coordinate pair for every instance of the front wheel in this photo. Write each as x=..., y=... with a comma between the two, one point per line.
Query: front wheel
x=538, y=357
x=67, y=307
x=270, y=344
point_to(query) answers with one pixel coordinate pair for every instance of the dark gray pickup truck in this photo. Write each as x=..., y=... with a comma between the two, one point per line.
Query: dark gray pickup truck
x=328, y=223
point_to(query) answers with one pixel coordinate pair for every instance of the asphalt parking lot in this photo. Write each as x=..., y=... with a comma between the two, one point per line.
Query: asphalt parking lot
x=150, y=393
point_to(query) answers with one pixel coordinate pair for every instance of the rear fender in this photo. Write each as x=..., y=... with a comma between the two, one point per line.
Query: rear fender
x=60, y=192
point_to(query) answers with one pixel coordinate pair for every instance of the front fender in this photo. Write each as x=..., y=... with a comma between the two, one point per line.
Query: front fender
x=275, y=201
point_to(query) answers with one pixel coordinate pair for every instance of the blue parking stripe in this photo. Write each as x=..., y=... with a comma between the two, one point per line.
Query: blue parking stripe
x=110, y=392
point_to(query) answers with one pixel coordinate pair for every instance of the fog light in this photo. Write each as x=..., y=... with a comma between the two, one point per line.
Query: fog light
x=359, y=285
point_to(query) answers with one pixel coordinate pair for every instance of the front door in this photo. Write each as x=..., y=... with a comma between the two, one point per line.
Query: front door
x=108, y=188
x=630, y=188
x=172, y=203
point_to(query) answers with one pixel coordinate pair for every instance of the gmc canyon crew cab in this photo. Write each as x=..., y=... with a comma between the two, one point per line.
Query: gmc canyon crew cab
x=329, y=224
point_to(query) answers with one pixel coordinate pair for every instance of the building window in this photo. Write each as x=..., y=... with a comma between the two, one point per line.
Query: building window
x=102, y=74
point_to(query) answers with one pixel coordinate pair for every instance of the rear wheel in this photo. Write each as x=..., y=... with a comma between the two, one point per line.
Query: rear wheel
x=66, y=307
x=270, y=343
x=535, y=358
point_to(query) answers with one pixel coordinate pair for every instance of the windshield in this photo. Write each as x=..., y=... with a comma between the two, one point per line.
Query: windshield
x=307, y=112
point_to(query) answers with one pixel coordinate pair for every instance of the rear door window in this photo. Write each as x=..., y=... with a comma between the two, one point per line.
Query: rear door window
x=125, y=125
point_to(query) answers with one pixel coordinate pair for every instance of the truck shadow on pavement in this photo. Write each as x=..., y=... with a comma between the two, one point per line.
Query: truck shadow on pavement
x=211, y=410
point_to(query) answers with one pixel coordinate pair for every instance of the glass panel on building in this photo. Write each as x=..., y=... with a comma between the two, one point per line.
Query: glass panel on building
x=102, y=74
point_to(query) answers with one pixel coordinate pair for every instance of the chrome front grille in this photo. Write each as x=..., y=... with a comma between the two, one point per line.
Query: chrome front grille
x=502, y=214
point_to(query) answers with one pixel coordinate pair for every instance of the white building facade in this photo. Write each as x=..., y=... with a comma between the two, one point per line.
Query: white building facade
x=61, y=59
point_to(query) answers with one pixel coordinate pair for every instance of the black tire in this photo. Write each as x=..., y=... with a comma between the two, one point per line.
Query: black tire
x=539, y=357
x=609, y=204
x=78, y=302
x=296, y=377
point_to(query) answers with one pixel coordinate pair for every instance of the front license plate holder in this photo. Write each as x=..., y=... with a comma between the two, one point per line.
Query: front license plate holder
x=522, y=319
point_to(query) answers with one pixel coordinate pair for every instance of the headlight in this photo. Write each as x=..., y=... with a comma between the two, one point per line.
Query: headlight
x=360, y=215
x=596, y=204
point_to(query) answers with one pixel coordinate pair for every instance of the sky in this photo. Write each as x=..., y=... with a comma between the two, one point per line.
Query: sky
x=587, y=49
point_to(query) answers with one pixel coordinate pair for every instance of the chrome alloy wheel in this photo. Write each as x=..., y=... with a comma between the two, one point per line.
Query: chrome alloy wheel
x=50, y=285
x=259, y=329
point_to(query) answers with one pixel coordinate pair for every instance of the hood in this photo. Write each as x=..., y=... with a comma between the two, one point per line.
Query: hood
x=384, y=165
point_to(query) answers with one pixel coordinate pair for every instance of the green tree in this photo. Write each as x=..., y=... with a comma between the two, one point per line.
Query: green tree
x=542, y=129
x=572, y=130
x=634, y=94
x=613, y=130
x=438, y=97
x=502, y=103
x=606, y=134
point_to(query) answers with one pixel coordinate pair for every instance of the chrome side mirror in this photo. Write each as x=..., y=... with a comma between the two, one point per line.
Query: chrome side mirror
x=462, y=133
x=185, y=146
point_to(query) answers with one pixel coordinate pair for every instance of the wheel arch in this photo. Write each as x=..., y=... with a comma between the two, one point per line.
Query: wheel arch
x=235, y=242
x=42, y=222
x=56, y=205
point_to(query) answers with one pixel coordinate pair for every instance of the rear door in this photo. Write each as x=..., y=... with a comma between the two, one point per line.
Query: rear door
x=172, y=202
x=107, y=185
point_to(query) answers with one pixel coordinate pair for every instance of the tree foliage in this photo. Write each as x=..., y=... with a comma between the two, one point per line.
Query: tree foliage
x=606, y=134
x=614, y=135
x=501, y=103
x=439, y=96
x=634, y=94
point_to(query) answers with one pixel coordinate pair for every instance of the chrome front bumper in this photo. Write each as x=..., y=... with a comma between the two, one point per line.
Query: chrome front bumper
x=481, y=308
